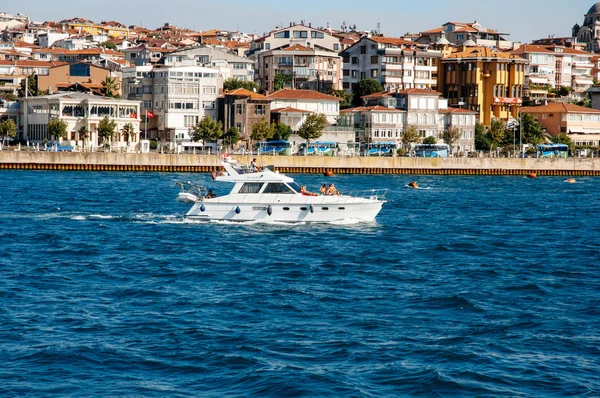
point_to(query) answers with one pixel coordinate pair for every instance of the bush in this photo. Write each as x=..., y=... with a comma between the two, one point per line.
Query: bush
x=153, y=144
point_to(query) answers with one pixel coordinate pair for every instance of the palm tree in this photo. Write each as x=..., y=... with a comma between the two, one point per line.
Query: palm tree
x=127, y=131
x=84, y=133
x=109, y=87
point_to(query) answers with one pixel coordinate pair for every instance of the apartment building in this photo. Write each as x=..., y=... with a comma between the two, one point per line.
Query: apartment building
x=242, y=109
x=13, y=72
x=179, y=97
x=305, y=68
x=553, y=66
x=483, y=80
x=77, y=76
x=395, y=63
x=459, y=33
x=290, y=106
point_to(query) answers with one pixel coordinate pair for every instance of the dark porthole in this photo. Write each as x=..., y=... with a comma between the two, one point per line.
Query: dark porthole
x=325, y=208
x=304, y=208
x=286, y=209
x=341, y=208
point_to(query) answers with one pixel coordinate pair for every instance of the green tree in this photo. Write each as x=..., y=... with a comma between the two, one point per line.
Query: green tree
x=57, y=128
x=346, y=98
x=8, y=129
x=231, y=136
x=6, y=96
x=262, y=130
x=84, y=133
x=312, y=127
x=233, y=83
x=562, y=138
x=32, y=85
x=365, y=87
x=482, y=138
x=451, y=136
x=282, y=132
x=531, y=129
x=431, y=140
x=281, y=80
x=107, y=128
x=410, y=136
x=497, y=133
x=109, y=45
x=109, y=87
x=128, y=131
x=206, y=130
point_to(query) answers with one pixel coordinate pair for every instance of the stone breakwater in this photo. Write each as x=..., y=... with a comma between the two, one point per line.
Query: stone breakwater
x=153, y=162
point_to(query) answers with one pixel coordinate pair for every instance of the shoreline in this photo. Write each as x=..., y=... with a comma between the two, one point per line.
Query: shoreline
x=153, y=162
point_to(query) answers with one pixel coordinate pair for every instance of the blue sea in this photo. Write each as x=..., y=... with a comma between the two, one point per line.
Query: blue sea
x=471, y=286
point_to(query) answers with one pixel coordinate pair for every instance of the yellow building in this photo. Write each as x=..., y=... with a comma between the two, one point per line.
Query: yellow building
x=484, y=80
x=114, y=32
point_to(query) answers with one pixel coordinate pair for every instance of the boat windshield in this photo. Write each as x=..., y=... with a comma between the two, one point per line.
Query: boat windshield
x=294, y=186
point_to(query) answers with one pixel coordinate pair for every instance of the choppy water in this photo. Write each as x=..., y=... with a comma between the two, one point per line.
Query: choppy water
x=472, y=287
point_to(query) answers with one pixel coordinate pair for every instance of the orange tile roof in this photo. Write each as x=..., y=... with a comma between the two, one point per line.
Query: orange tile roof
x=289, y=109
x=419, y=91
x=288, y=93
x=242, y=92
x=534, y=48
x=298, y=47
x=558, y=107
x=33, y=63
x=457, y=110
x=378, y=95
x=376, y=108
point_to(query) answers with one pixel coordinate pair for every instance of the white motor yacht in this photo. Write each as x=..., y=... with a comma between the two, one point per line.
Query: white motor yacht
x=267, y=195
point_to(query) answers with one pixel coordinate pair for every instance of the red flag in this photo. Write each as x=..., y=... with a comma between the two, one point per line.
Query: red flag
x=132, y=115
x=149, y=114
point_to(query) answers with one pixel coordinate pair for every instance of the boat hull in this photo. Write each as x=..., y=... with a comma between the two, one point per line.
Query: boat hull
x=288, y=212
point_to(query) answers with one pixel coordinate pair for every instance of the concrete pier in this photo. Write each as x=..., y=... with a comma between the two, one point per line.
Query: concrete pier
x=152, y=162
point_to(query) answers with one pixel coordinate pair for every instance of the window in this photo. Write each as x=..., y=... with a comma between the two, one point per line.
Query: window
x=147, y=89
x=282, y=35
x=354, y=74
x=373, y=72
x=209, y=89
x=251, y=187
x=354, y=60
x=300, y=34
x=190, y=121
x=259, y=109
x=363, y=75
x=79, y=70
x=238, y=109
x=147, y=104
x=208, y=105
x=317, y=35
x=374, y=59
x=278, y=188
x=336, y=47
x=363, y=50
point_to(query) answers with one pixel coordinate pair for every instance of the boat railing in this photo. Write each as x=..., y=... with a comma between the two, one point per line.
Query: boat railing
x=374, y=194
x=195, y=189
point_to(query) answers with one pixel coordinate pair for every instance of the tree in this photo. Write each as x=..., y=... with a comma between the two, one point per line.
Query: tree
x=32, y=86
x=109, y=87
x=497, y=133
x=262, y=130
x=233, y=83
x=346, y=101
x=451, y=136
x=107, y=128
x=282, y=132
x=312, y=127
x=562, y=138
x=533, y=133
x=57, y=128
x=8, y=129
x=128, y=131
x=410, y=136
x=84, y=133
x=365, y=87
x=431, y=140
x=482, y=138
x=280, y=81
x=109, y=45
x=206, y=130
x=231, y=136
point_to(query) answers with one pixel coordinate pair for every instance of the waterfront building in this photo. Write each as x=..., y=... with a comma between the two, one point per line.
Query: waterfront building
x=305, y=68
x=13, y=72
x=483, y=80
x=10, y=110
x=290, y=106
x=79, y=110
x=242, y=109
x=301, y=34
x=179, y=97
x=395, y=63
x=580, y=123
x=459, y=33
x=555, y=66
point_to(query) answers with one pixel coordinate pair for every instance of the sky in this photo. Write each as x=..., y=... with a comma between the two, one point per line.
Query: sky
x=525, y=20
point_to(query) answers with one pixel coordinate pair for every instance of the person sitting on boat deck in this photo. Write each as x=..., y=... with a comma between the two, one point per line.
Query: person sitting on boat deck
x=304, y=192
x=254, y=167
x=323, y=189
x=210, y=194
x=332, y=191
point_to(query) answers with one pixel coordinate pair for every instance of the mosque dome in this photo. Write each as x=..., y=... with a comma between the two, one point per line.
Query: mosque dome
x=595, y=9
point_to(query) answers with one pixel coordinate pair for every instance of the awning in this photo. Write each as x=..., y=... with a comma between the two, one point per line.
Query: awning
x=582, y=81
x=539, y=80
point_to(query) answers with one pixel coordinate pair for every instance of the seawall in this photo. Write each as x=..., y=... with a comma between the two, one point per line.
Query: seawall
x=99, y=161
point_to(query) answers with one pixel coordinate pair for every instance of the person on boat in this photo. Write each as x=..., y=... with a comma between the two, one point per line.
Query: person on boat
x=210, y=194
x=253, y=167
x=304, y=192
x=323, y=189
x=332, y=191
